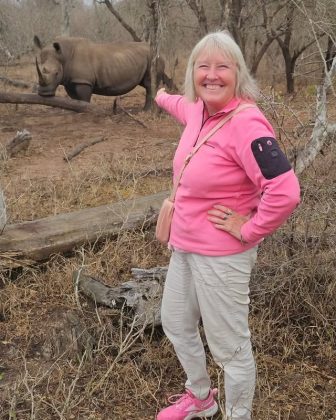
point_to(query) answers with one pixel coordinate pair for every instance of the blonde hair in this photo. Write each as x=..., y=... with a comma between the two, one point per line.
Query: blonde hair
x=223, y=42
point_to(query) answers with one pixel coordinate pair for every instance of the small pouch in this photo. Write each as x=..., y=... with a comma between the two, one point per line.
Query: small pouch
x=164, y=220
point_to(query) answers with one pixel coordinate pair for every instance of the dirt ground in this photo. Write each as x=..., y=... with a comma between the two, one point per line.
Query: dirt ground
x=56, y=132
x=146, y=140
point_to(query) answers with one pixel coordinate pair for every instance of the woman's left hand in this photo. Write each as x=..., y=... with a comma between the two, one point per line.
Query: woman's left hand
x=228, y=220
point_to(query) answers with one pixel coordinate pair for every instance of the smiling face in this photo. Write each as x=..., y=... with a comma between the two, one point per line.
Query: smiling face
x=215, y=77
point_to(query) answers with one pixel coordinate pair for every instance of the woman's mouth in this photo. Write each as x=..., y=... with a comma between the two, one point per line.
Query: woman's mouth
x=212, y=86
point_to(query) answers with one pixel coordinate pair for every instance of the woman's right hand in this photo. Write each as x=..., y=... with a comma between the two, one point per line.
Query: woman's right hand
x=160, y=91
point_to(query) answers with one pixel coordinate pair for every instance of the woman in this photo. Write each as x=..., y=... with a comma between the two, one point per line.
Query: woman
x=237, y=189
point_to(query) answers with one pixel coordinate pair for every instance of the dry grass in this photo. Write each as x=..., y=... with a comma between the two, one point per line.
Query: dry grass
x=108, y=181
x=120, y=372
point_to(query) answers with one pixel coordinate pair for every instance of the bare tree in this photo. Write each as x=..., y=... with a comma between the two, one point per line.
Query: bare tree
x=197, y=7
x=128, y=28
x=157, y=9
x=322, y=128
x=232, y=19
x=239, y=18
x=247, y=21
x=271, y=32
x=289, y=53
x=66, y=6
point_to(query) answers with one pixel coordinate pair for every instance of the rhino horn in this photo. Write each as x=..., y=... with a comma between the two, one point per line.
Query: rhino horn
x=41, y=80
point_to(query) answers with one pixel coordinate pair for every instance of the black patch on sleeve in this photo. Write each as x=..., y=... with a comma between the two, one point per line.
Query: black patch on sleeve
x=270, y=158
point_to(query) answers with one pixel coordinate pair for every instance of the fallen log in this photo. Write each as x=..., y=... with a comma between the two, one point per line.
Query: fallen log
x=37, y=240
x=54, y=101
x=141, y=296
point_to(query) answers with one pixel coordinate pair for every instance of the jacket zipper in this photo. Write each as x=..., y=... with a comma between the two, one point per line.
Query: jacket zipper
x=202, y=125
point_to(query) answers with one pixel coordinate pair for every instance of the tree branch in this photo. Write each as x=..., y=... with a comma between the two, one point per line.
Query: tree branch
x=298, y=52
x=128, y=28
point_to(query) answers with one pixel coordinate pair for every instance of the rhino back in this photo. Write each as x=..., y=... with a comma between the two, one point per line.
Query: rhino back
x=111, y=69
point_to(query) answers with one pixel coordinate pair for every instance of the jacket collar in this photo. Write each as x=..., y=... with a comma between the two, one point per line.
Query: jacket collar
x=230, y=106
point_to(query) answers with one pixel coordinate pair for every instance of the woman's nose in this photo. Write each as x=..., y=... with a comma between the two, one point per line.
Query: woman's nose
x=212, y=73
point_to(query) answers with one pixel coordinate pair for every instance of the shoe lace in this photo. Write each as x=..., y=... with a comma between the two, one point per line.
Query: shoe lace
x=182, y=400
x=179, y=398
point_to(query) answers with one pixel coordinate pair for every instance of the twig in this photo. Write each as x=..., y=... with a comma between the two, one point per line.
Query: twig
x=76, y=278
x=72, y=386
x=117, y=101
x=124, y=346
x=78, y=149
x=16, y=83
x=318, y=371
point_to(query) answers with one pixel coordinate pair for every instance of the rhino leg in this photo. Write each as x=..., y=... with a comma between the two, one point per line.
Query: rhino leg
x=146, y=83
x=79, y=91
x=148, y=101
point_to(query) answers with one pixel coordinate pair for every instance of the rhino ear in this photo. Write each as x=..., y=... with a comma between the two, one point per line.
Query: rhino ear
x=57, y=47
x=37, y=42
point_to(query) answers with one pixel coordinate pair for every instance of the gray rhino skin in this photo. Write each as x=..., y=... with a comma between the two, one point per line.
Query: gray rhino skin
x=84, y=68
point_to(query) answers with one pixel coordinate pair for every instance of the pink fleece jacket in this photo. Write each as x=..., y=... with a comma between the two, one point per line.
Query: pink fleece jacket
x=241, y=167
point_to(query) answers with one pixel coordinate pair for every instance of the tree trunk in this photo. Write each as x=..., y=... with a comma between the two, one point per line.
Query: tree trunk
x=289, y=66
x=154, y=48
x=290, y=58
x=330, y=53
x=197, y=7
x=156, y=11
x=66, y=6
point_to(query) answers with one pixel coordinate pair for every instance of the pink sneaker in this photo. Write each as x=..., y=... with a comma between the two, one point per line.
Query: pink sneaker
x=186, y=406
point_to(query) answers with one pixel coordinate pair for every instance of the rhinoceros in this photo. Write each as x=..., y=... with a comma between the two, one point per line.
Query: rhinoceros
x=84, y=67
